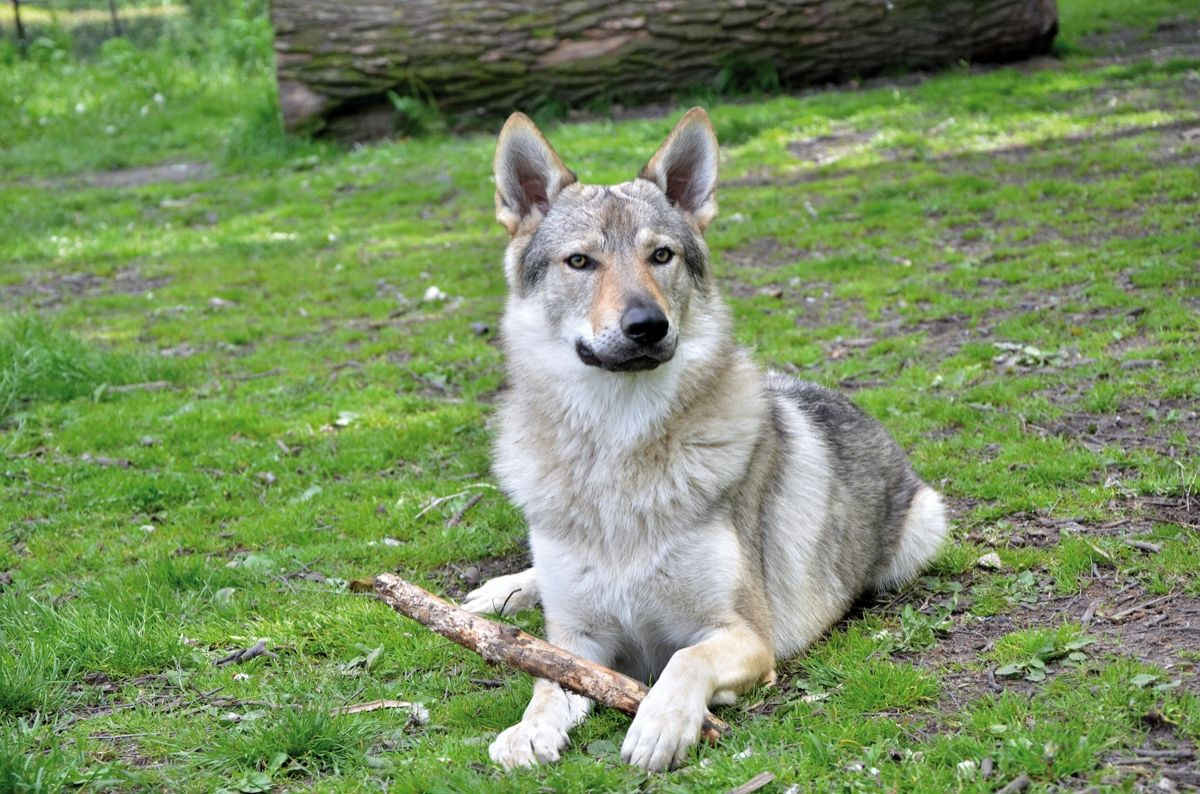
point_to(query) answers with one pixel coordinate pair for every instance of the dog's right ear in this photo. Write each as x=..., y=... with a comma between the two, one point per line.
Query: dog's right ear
x=529, y=174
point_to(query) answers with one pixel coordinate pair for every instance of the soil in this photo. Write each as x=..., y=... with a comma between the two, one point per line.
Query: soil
x=456, y=579
x=50, y=289
x=1155, y=634
x=1172, y=39
x=1170, y=427
x=825, y=149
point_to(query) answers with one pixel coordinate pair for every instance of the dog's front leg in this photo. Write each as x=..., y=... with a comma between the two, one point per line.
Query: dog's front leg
x=542, y=731
x=716, y=669
x=504, y=595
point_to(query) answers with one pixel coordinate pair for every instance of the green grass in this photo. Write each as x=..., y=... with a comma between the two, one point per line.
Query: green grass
x=41, y=363
x=305, y=741
x=223, y=399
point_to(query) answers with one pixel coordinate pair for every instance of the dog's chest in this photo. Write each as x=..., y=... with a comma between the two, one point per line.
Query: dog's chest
x=641, y=602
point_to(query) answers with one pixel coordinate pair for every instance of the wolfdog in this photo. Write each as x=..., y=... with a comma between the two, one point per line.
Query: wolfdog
x=691, y=519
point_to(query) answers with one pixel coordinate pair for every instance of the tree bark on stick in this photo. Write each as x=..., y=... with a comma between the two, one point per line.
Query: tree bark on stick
x=499, y=643
x=336, y=60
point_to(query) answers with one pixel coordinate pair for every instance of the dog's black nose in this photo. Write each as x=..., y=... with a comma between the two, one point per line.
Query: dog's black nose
x=644, y=323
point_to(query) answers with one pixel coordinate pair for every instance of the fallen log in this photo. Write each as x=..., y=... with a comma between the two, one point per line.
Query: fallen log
x=500, y=643
x=353, y=68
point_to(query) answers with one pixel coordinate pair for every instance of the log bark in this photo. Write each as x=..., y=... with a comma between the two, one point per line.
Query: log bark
x=22, y=41
x=336, y=60
x=499, y=643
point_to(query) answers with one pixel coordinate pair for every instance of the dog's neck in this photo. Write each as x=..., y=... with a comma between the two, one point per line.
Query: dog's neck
x=622, y=408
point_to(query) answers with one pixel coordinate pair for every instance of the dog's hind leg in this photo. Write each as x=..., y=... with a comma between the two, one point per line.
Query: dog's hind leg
x=716, y=669
x=504, y=595
x=921, y=537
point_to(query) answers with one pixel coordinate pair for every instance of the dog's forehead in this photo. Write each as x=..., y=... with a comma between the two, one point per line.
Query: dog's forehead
x=617, y=212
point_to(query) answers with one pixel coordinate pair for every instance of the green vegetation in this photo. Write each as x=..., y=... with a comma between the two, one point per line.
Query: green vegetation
x=40, y=363
x=228, y=389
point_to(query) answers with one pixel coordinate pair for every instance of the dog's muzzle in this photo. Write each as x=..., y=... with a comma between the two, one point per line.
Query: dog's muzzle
x=635, y=360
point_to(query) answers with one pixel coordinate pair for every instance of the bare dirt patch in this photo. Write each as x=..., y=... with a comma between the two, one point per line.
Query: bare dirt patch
x=1129, y=516
x=945, y=334
x=456, y=579
x=150, y=175
x=1163, y=759
x=134, y=176
x=49, y=289
x=825, y=149
x=1169, y=427
x=1124, y=622
x=763, y=252
x=1172, y=39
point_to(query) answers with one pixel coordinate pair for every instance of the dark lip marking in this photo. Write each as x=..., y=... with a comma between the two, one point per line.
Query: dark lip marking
x=639, y=363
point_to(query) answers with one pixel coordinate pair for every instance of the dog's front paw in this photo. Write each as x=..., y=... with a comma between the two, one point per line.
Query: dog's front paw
x=527, y=744
x=504, y=595
x=662, y=731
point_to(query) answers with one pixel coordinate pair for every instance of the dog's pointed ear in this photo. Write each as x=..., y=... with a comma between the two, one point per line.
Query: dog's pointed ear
x=685, y=167
x=529, y=174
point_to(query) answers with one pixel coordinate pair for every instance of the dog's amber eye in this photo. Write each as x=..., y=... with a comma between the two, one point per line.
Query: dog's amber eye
x=663, y=255
x=577, y=261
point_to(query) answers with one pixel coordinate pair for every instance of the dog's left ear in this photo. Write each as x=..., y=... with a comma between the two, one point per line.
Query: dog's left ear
x=528, y=172
x=685, y=167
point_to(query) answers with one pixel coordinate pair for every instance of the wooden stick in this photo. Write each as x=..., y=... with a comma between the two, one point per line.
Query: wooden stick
x=499, y=643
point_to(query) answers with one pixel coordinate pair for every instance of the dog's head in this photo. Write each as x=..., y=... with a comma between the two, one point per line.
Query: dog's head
x=610, y=271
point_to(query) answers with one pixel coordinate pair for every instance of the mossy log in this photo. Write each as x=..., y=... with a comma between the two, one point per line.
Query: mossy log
x=337, y=60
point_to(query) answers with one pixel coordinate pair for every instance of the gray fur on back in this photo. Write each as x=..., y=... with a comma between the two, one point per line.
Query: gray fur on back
x=872, y=487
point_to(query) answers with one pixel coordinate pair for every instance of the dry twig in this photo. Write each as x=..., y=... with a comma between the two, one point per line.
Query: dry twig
x=457, y=518
x=499, y=643
x=246, y=654
x=754, y=783
x=1019, y=783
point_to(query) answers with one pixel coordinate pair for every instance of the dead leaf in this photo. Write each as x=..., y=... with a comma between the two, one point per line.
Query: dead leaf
x=417, y=712
x=991, y=561
x=373, y=705
x=760, y=780
x=363, y=585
